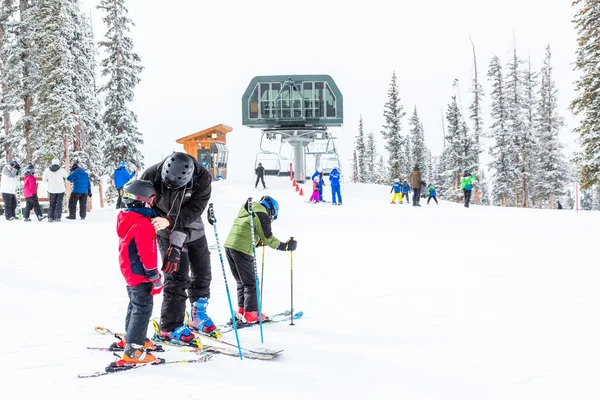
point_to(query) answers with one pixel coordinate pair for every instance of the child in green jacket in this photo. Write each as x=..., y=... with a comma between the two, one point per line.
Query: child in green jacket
x=466, y=184
x=240, y=254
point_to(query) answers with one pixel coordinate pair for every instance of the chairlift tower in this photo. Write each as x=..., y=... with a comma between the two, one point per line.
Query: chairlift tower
x=295, y=109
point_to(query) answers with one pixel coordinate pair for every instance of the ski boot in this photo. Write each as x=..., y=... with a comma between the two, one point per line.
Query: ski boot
x=148, y=345
x=181, y=334
x=134, y=354
x=200, y=320
x=251, y=317
x=26, y=219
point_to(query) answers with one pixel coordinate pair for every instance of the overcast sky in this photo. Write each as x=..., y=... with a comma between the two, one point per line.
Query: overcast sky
x=199, y=57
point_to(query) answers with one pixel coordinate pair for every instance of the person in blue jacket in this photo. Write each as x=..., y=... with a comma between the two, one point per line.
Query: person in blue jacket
x=334, y=179
x=121, y=177
x=397, y=189
x=432, y=194
x=81, y=190
x=405, y=190
x=321, y=183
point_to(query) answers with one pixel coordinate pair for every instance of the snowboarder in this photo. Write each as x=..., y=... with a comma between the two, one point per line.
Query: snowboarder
x=432, y=194
x=30, y=187
x=138, y=261
x=415, y=183
x=81, y=190
x=240, y=255
x=260, y=175
x=397, y=189
x=405, y=191
x=334, y=179
x=8, y=186
x=55, y=177
x=315, y=198
x=183, y=190
x=466, y=184
x=121, y=177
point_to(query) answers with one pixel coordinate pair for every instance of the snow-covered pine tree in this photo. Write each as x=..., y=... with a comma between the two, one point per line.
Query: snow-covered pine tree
x=515, y=117
x=528, y=150
x=10, y=74
x=395, y=143
x=121, y=67
x=57, y=105
x=371, y=158
x=354, y=167
x=553, y=168
x=502, y=164
x=382, y=172
x=476, y=115
x=361, y=152
x=587, y=103
x=89, y=133
x=418, y=150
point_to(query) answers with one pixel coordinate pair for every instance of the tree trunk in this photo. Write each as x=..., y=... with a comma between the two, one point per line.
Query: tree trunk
x=101, y=194
x=7, y=127
x=67, y=164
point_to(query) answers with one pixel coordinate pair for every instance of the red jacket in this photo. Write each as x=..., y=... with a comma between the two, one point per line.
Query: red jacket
x=137, y=248
x=29, y=186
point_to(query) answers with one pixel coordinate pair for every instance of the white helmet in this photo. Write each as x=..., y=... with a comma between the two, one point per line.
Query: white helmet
x=319, y=169
x=397, y=180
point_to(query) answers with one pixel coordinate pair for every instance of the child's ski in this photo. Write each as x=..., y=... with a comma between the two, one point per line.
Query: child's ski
x=273, y=319
x=113, y=368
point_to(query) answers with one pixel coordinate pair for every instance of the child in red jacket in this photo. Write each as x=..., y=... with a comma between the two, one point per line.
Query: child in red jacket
x=30, y=193
x=138, y=261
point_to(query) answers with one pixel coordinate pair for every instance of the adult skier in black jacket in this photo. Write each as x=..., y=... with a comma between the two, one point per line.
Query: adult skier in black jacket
x=183, y=191
x=260, y=175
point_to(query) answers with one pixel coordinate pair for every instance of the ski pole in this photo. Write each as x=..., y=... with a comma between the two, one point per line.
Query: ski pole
x=292, y=283
x=211, y=215
x=262, y=274
x=255, y=269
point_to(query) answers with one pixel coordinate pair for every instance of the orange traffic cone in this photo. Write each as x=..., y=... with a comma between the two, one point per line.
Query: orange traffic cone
x=301, y=192
x=297, y=188
x=294, y=183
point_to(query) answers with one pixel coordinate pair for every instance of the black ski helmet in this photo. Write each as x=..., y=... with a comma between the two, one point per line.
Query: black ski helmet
x=138, y=193
x=177, y=170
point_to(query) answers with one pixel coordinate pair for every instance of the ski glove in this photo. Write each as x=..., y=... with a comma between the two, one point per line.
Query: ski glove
x=171, y=261
x=157, y=287
x=290, y=245
x=90, y=194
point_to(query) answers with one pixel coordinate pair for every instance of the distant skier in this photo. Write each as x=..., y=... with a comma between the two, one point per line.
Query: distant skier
x=8, y=187
x=120, y=177
x=334, y=179
x=82, y=189
x=397, y=189
x=432, y=194
x=260, y=175
x=55, y=177
x=415, y=183
x=240, y=255
x=466, y=184
x=315, y=198
x=30, y=187
x=405, y=191
x=138, y=261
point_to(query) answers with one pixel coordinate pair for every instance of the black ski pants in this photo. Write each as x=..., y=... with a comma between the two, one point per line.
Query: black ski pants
x=467, y=197
x=10, y=205
x=56, y=205
x=139, y=312
x=32, y=202
x=416, y=196
x=191, y=280
x=120, y=199
x=242, y=268
x=80, y=198
x=262, y=179
x=432, y=197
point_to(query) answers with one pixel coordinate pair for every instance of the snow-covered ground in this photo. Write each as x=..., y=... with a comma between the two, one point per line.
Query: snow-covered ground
x=438, y=302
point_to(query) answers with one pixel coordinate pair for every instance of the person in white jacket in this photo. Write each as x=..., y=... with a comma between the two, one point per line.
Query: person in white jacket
x=8, y=187
x=55, y=177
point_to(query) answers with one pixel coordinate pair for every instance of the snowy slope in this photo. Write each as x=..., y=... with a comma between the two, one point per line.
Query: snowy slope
x=400, y=303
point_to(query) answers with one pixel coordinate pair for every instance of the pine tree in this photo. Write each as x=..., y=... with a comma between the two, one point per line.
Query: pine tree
x=371, y=158
x=382, y=172
x=418, y=149
x=57, y=102
x=528, y=150
x=354, y=167
x=587, y=104
x=501, y=151
x=395, y=143
x=476, y=115
x=361, y=152
x=121, y=67
x=9, y=74
x=553, y=169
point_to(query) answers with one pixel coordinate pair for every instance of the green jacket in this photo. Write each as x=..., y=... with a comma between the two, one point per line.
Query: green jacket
x=467, y=182
x=240, y=238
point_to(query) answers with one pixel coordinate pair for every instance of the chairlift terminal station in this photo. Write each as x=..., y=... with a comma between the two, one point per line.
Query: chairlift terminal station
x=297, y=110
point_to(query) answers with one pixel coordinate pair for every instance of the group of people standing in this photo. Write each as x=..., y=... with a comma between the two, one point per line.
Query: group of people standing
x=318, y=182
